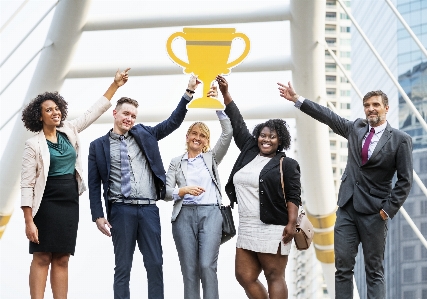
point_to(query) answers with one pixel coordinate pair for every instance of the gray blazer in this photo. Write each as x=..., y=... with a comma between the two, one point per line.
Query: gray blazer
x=177, y=171
x=370, y=185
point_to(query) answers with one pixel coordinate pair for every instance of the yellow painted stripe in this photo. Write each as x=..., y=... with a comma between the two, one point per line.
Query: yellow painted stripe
x=322, y=221
x=324, y=239
x=325, y=256
x=4, y=219
x=208, y=43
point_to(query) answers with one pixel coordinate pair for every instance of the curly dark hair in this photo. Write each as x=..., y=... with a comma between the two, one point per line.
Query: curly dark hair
x=281, y=128
x=33, y=111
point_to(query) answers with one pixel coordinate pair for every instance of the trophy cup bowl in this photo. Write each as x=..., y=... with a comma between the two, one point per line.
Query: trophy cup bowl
x=208, y=50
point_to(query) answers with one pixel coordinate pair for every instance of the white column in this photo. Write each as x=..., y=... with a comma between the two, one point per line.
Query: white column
x=307, y=29
x=49, y=75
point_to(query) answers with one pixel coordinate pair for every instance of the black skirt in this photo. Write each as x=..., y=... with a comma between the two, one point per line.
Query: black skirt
x=58, y=216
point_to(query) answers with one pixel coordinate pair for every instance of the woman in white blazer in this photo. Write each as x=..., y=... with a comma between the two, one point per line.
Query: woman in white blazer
x=51, y=182
x=196, y=218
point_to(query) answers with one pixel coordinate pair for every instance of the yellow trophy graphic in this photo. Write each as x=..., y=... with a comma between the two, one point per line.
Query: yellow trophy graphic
x=208, y=50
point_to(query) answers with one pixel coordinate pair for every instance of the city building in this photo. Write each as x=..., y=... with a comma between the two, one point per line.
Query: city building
x=405, y=257
x=309, y=282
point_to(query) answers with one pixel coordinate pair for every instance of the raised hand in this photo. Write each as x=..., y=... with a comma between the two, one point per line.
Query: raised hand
x=223, y=87
x=288, y=92
x=193, y=83
x=121, y=77
x=213, y=92
x=223, y=84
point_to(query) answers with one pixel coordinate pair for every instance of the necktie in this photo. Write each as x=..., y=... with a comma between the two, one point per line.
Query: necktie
x=124, y=167
x=366, y=146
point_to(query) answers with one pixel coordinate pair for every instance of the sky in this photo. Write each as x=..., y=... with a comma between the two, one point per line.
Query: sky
x=91, y=269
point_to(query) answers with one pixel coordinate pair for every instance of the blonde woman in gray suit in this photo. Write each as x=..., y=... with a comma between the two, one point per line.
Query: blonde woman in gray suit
x=196, y=218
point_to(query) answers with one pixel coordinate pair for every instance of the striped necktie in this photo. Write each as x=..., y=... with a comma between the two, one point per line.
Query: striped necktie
x=124, y=167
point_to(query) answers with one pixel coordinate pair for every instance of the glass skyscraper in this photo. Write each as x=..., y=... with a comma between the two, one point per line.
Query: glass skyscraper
x=405, y=257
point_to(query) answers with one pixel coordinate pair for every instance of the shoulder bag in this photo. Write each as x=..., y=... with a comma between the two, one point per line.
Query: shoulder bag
x=305, y=231
x=228, y=228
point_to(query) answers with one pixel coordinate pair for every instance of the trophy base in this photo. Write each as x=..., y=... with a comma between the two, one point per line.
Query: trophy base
x=207, y=103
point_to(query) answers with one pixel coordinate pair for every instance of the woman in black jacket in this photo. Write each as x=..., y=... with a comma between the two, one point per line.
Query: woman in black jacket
x=266, y=222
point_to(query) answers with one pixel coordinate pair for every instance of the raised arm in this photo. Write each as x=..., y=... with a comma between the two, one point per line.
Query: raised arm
x=169, y=125
x=102, y=105
x=241, y=133
x=223, y=143
x=338, y=124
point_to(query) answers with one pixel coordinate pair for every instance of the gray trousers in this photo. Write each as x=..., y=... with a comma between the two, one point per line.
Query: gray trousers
x=197, y=233
x=351, y=228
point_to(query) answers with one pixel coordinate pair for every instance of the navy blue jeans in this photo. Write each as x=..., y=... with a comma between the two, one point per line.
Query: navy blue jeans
x=132, y=224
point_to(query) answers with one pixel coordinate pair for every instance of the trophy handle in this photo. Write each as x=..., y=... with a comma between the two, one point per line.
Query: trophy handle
x=245, y=52
x=171, y=53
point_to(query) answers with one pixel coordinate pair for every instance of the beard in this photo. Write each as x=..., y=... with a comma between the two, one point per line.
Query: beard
x=374, y=121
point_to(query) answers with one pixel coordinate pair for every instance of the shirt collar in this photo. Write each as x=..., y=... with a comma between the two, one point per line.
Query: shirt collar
x=117, y=136
x=379, y=128
x=185, y=157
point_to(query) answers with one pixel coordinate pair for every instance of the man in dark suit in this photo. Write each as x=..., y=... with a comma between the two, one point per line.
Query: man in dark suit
x=127, y=163
x=366, y=199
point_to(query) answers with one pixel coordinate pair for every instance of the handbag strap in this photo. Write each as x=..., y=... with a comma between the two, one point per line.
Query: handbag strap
x=281, y=181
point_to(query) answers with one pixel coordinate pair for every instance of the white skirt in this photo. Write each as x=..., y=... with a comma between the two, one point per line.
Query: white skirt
x=254, y=235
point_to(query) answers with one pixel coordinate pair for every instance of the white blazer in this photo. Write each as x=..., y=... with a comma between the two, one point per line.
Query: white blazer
x=177, y=171
x=36, y=157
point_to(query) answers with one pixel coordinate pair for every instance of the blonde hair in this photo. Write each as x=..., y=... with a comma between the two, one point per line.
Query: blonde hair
x=205, y=130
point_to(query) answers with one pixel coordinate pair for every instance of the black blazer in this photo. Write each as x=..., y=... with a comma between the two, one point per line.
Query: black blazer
x=147, y=139
x=272, y=204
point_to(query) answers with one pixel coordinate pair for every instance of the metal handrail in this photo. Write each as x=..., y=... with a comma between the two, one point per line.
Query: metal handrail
x=411, y=33
x=28, y=34
x=13, y=15
x=20, y=71
x=396, y=83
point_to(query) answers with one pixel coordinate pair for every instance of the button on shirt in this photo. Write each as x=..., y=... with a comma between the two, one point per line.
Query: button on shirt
x=198, y=175
x=141, y=178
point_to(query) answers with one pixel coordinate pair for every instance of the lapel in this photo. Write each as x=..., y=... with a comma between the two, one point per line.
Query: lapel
x=138, y=139
x=184, y=167
x=70, y=134
x=207, y=158
x=44, y=152
x=272, y=163
x=361, y=132
x=383, y=140
x=106, y=147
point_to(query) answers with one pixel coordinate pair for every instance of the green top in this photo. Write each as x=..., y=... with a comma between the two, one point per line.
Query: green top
x=62, y=156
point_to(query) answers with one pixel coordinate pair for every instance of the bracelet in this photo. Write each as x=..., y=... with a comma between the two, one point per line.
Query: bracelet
x=190, y=91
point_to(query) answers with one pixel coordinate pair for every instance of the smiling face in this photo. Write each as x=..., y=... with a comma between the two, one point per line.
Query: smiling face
x=50, y=114
x=268, y=142
x=197, y=139
x=124, y=118
x=375, y=111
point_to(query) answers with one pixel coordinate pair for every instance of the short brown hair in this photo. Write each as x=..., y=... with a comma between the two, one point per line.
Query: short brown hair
x=376, y=93
x=124, y=100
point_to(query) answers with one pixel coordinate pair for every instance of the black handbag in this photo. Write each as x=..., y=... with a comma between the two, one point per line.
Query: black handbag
x=228, y=228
